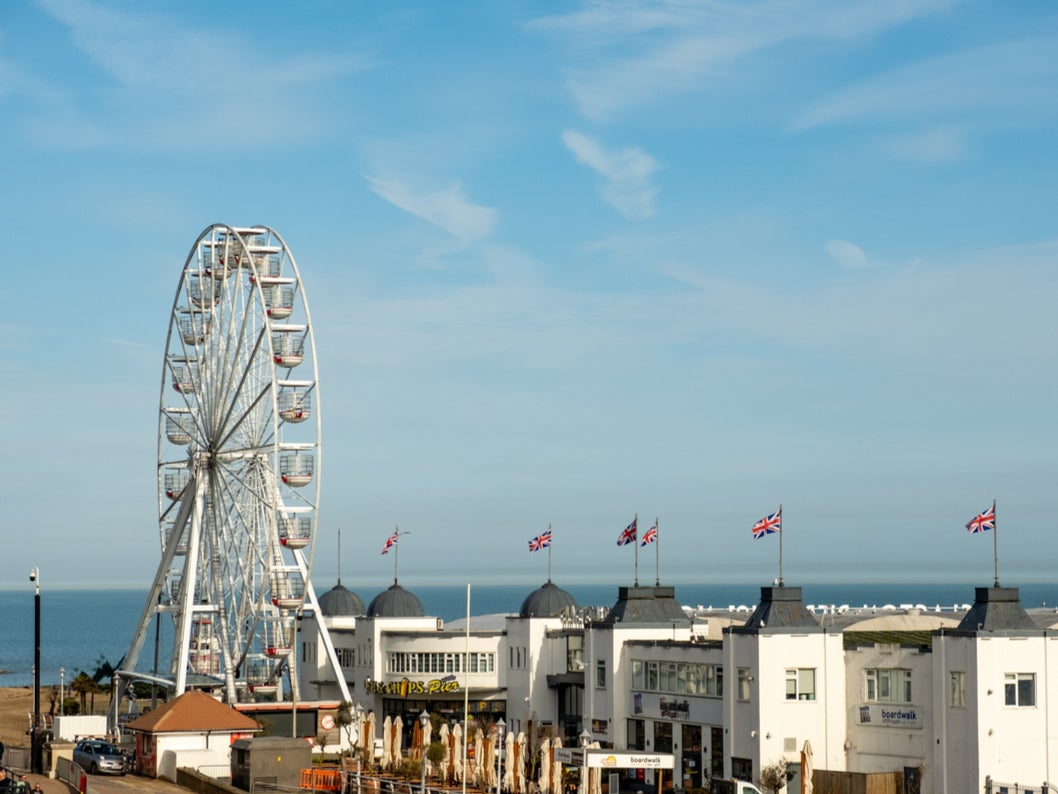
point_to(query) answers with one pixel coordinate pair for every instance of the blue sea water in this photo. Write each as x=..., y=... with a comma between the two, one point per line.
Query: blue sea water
x=80, y=628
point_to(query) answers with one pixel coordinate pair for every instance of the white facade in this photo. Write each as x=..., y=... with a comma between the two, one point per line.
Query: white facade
x=910, y=694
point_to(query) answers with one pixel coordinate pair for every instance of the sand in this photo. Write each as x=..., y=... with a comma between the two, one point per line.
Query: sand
x=16, y=706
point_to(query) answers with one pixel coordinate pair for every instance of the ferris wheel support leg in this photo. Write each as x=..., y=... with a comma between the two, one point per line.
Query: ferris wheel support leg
x=182, y=646
x=150, y=608
x=325, y=636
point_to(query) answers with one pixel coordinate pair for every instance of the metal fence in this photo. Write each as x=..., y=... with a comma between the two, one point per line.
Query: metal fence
x=995, y=787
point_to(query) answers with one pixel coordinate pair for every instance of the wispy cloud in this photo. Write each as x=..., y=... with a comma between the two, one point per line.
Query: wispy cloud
x=1019, y=76
x=626, y=172
x=163, y=73
x=447, y=209
x=848, y=255
x=935, y=145
x=624, y=54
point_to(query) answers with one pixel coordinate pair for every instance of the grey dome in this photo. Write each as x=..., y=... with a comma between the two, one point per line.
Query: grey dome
x=548, y=601
x=341, y=602
x=396, y=602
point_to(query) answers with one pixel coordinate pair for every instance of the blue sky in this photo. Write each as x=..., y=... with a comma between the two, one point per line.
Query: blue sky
x=566, y=263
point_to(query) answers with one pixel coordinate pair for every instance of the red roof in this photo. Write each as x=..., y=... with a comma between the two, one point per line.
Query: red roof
x=193, y=712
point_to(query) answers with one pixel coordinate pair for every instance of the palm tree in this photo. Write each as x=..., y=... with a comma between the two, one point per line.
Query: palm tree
x=105, y=670
x=84, y=685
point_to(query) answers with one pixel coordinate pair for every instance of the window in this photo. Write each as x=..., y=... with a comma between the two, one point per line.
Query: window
x=667, y=681
x=662, y=737
x=345, y=656
x=637, y=735
x=714, y=680
x=801, y=683
x=575, y=654
x=678, y=678
x=888, y=685
x=600, y=674
x=744, y=679
x=433, y=663
x=1019, y=689
x=957, y=687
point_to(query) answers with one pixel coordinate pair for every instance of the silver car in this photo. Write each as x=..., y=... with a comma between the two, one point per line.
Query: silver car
x=97, y=756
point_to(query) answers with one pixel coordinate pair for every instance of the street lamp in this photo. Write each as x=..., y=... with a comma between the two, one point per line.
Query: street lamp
x=36, y=760
x=62, y=690
x=501, y=726
x=424, y=720
x=585, y=740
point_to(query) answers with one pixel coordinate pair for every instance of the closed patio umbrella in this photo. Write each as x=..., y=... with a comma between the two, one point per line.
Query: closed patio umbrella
x=556, y=769
x=458, y=769
x=387, y=743
x=398, y=740
x=545, y=766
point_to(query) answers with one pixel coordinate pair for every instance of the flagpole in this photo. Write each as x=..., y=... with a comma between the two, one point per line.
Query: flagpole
x=466, y=693
x=396, y=551
x=549, y=553
x=781, y=533
x=635, y=544
x=657, y=554
x=995, y=542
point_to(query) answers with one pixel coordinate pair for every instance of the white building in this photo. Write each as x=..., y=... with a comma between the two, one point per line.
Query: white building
x=947, y=701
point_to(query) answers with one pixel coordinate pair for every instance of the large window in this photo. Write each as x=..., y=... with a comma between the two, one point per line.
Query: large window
x=957, y=688
x=801, y=683
x=888, y=685
x=426, y=662
x=1019, y=689
x=678, y=678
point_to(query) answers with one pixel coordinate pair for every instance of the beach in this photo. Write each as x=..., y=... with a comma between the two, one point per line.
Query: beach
x=16, y=706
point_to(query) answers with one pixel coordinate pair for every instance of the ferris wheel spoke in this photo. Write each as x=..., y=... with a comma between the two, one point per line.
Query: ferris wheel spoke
x=244, y=421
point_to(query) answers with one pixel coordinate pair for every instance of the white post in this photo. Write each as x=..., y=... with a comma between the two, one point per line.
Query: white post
x=500, y=726
x=62, y=690
x=585, y=740
x=424, y=720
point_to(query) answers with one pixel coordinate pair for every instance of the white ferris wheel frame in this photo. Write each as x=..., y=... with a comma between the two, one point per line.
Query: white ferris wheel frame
x=229, y=538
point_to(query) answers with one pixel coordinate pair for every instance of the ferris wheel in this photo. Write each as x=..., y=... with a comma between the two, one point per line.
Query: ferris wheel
x=239, y=453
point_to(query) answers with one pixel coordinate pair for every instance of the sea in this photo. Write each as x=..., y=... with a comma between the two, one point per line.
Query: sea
x=82, y=629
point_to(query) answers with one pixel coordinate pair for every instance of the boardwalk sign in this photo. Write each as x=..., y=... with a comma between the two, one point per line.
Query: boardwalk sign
x=608, y=759
x=890, y=716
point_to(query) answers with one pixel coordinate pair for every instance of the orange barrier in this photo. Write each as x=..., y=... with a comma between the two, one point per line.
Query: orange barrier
x=320, y=779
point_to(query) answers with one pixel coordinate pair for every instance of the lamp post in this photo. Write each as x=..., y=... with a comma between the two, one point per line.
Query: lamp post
x=585, y=740
x=501, y=726
x=424, y=720
x=36, y=761
x=62, y=691
x=292, y=668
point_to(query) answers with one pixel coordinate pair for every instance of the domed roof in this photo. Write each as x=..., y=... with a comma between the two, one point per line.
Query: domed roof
x=341, y=602
x=548, y=601
x=396, y=602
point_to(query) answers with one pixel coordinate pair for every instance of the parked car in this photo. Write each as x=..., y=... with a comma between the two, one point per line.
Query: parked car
x=99, y=757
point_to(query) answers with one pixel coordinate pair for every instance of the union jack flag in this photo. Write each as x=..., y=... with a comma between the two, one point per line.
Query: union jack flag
x=541, y=541
x=391, y=541
x=768, y=525
x=650, y=535
x=983, y=522
x=629, y=534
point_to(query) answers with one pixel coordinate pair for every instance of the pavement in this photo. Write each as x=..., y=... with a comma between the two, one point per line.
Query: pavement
x=107, y=784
